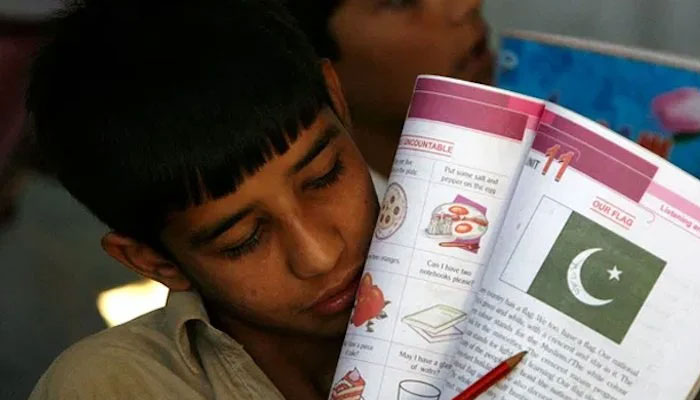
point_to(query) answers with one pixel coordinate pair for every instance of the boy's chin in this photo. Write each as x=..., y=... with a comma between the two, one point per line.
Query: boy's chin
x=330, y=327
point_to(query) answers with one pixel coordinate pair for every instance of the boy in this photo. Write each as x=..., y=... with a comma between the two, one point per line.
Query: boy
x=379, y=47
x=216, y=146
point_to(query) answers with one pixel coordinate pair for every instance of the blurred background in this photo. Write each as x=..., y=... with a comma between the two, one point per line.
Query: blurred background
x=53, y=269
x=669, y=25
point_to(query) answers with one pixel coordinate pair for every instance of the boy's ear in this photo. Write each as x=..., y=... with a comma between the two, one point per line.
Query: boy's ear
x=336, y=92
x=145, y=261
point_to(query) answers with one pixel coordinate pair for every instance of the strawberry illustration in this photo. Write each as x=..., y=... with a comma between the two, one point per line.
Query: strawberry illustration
x=370, y=304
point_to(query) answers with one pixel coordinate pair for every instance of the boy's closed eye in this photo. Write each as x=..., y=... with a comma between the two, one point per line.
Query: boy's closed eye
x=247, y=245
x=257, y=234
x=316, y=153
x=328, y=178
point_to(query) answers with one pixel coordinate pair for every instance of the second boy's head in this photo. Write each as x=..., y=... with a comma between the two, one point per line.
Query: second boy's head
x=379, y=47
x=215, y=145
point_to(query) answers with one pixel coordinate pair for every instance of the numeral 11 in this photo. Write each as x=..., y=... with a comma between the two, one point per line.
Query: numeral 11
x=565, y=161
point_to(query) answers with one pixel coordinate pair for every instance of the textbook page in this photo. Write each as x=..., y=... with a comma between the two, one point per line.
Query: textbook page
x=595, y=274
x=461, y=151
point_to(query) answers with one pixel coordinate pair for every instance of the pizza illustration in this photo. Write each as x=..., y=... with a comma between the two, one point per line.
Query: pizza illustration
x=392, y=212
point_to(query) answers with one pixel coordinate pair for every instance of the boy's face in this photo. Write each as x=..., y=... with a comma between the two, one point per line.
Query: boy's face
x=385, y=44
x=285, y=250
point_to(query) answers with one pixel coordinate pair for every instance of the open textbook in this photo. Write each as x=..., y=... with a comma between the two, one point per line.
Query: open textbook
x=513, y=224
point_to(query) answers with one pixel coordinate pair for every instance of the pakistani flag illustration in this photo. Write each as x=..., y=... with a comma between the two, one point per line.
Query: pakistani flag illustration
x=596, y=277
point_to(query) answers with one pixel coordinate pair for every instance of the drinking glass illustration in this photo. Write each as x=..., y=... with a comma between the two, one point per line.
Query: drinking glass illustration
x=417, y=390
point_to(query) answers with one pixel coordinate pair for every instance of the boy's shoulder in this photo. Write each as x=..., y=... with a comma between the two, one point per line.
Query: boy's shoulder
x=170, y=353
x=139, y=359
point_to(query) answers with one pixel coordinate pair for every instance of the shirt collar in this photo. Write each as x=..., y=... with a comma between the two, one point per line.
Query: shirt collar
x=184, y=309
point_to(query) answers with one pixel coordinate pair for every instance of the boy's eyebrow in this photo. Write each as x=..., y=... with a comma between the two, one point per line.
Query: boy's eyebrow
x=329, y=133
x=208, y=234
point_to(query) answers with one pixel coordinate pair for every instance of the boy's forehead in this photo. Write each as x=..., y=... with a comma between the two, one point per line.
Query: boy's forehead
x=309, y=144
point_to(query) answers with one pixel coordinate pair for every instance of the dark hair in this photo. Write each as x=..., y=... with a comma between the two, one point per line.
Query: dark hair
x=314, y=18
x=145, y=107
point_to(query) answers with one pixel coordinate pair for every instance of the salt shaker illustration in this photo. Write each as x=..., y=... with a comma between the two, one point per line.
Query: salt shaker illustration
x=458, y=224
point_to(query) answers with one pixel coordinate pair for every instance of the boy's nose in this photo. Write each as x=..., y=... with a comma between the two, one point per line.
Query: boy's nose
x=314, y=249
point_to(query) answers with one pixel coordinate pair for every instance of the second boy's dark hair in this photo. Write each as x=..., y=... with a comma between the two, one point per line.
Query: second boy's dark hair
x=145, y=107
x=314, y=18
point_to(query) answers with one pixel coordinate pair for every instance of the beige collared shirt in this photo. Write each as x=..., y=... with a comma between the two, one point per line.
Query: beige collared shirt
x=171, y=353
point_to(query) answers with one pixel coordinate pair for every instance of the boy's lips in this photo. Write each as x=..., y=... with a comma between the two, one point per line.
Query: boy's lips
x=338, y=298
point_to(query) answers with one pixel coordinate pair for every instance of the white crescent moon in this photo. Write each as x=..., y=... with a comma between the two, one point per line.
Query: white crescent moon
x=574, y=280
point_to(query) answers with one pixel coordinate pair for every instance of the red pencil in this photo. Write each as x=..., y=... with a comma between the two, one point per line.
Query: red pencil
x=491, y=378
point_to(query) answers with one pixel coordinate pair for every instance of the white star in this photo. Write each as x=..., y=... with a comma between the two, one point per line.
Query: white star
x=614, y=274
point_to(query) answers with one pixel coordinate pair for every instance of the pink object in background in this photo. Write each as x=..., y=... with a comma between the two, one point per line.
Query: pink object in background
x=679, y=110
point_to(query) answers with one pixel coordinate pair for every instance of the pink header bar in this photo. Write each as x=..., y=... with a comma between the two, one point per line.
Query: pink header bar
x=596, y=141
x=675, y=200
x=484, y=95
x=468, y=114
x=600, y=159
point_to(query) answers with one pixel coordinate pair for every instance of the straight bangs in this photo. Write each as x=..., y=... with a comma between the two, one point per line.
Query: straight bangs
x=217, y=167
